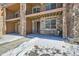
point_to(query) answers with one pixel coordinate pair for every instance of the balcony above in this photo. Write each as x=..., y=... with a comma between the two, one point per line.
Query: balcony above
x=45, y=12
x=37, y=14
x=44, y=7
x=14, y=12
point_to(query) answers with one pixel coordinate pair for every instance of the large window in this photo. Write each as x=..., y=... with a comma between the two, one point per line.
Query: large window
x=47, y=24
x=50, y=6
x=50, y=24
x=36, y=9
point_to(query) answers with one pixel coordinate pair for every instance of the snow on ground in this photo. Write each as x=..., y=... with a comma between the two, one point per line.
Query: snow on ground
x=44, y=47
x=9, y=38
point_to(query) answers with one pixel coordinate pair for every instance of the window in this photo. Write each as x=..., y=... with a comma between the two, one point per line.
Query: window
x=50, y=6
x=36, y=9
x=59, y=5
x=53, y=5
x=47, y=23
x=53, y=23
x=50, y=24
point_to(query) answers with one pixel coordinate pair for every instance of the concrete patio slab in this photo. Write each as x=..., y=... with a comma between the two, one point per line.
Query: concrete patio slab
x=43, y=36
x=9, y=38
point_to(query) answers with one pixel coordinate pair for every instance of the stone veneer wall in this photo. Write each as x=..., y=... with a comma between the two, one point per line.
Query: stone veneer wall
x=76, y=20
x=70, y=21
x=73, y=20
x=43, y=30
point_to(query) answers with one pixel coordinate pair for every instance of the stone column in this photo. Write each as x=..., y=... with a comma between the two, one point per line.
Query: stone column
x=70, y=20
x=2, y=20
x=22, y=19
x=76, y=20
x=65, y=21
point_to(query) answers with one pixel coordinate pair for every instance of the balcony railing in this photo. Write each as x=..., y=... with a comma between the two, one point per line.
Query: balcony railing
x=58, y=6
x=13, y=15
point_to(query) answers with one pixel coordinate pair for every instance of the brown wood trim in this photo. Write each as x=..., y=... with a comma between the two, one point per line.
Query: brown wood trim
x=46, y=12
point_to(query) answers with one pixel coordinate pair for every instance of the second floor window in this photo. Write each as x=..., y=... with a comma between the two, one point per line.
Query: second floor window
x=36, y=10
x=50, y=6
x=59, y=5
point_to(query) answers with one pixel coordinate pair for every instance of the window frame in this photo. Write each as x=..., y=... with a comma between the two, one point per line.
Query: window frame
x=50, y=26
x=35, y=7
x=49, y=7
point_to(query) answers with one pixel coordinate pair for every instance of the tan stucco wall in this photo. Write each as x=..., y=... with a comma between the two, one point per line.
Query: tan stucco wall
x=29, y=26
x=30, y=6
x=1, y=25
x=10, y=26
x=1, y=21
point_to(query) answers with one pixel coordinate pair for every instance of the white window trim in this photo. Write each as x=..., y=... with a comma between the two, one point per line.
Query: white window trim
x=50, y=25
x=35, y=7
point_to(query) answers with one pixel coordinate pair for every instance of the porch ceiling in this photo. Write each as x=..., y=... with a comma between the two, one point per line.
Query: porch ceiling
x=14, y=7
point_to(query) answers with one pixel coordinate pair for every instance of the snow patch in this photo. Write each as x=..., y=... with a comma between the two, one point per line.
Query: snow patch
x=43, y=44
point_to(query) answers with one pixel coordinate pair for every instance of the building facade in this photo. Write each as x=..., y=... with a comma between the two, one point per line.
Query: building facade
x=59, y=19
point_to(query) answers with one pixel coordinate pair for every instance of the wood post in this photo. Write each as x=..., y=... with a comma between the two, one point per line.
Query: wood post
x=22, y=19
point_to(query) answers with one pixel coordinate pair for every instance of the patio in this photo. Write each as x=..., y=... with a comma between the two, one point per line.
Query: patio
x=43, y=36
x=13, y=36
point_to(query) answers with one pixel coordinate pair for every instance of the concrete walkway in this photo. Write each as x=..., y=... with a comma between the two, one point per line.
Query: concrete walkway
x=10, y=45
